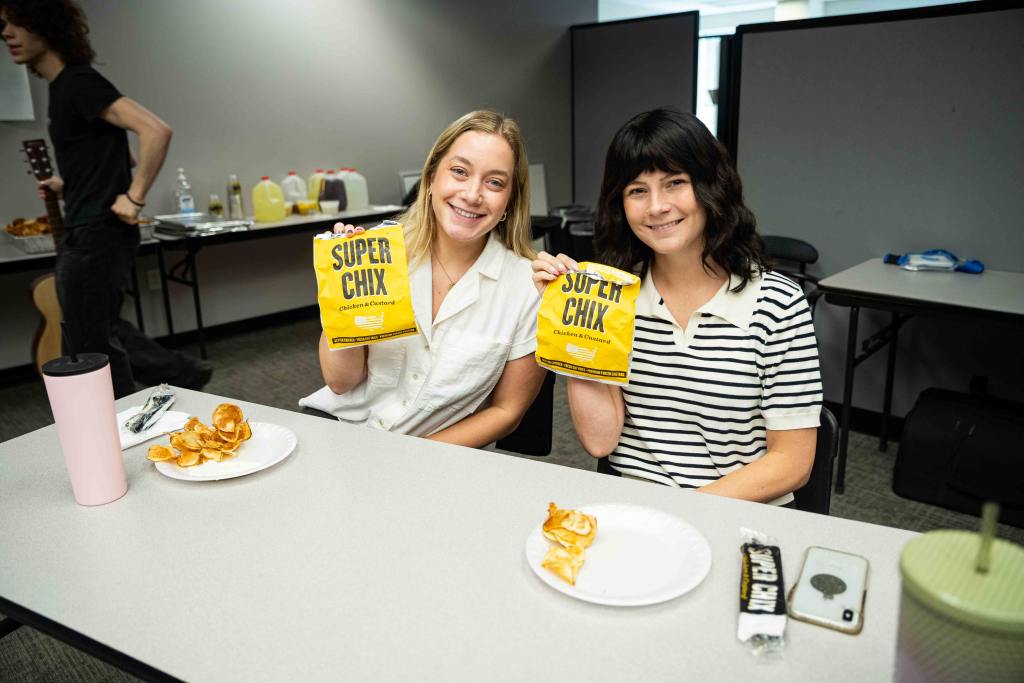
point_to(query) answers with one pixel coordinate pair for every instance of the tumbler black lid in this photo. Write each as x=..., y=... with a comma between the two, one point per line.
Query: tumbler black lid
x=65, y=367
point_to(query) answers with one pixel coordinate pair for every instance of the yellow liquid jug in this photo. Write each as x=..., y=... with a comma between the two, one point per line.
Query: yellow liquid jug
x=267, y=201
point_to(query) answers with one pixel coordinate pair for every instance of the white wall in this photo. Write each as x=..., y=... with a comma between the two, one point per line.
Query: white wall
x=265, y=86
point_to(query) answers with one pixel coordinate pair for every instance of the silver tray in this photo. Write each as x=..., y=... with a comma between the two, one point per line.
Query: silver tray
x=43, y=244
x=198, y=224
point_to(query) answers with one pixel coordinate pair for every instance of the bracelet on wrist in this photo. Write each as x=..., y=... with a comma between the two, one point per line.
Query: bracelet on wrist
x=138, y=204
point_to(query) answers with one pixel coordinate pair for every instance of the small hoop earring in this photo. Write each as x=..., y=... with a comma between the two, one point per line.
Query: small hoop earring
x=503, y=216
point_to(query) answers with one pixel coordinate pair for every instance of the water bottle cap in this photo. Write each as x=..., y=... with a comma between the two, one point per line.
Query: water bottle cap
x=264, y=177
x=65, y=367
x=319, y=170
x=291, y=172
x=330, y=170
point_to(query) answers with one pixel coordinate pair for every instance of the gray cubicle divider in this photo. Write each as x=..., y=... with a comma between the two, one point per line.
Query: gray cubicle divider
x=887, y=132
x=622, y=68
x=890, y=132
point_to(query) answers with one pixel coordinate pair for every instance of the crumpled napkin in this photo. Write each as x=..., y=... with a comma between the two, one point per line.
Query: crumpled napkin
x=170, y=421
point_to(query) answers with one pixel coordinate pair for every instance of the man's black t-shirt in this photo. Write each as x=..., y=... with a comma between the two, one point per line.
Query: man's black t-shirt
x=92, y=155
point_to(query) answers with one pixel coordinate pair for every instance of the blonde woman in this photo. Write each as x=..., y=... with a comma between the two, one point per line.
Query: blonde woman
x=469, y=375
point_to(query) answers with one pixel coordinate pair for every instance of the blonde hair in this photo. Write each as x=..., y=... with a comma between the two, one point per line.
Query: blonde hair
x=514, y=229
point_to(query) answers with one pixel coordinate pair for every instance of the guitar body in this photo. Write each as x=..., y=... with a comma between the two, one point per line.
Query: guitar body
x=46, y=341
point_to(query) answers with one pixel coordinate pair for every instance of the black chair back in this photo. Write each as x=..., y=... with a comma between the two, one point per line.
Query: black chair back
x=795, y=255
x=816, y=494
x=790, y=249
x=533, y=435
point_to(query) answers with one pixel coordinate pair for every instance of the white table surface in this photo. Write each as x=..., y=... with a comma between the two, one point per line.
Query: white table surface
x=992, y=290
x=372, y=556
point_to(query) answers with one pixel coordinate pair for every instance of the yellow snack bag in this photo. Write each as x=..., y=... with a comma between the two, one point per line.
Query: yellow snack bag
x=363, y=286
x=585, y=323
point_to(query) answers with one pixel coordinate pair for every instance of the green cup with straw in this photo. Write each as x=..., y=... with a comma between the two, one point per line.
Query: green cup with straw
x=962, y=607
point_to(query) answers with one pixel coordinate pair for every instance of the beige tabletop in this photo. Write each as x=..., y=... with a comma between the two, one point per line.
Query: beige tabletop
x=371, y=556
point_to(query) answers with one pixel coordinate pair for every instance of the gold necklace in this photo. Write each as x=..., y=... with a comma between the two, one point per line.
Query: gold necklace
x=451, y=282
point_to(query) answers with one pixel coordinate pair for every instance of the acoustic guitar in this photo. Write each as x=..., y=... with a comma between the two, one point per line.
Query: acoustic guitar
x=46, y=342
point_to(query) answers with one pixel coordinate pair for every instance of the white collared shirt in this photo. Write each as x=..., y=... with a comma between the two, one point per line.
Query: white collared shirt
x=701, y=398
x=424, y=383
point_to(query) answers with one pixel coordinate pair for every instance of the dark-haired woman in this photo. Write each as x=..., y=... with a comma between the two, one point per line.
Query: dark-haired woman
x=725, y=393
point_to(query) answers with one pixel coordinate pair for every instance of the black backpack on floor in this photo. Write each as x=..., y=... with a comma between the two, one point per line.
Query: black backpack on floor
x=958, y=450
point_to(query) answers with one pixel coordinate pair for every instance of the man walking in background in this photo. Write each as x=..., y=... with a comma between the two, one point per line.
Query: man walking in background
x=88, y=123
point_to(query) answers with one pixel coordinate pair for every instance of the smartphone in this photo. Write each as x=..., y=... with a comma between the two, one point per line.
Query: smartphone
x=831, y=590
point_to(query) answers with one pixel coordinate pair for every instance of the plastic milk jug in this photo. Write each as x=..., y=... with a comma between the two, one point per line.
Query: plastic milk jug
x=356, y=189
x=294, y=187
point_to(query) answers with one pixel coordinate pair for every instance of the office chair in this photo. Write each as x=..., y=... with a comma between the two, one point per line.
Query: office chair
x=796, y=255
x=816, y=494
x=605, y=467
x=533, y=435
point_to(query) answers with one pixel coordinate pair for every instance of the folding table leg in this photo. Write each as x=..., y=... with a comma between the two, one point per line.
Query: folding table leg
x=890, y=370
x=844, y=421
x=163, y=289
x=194, y=272
x=138, y=300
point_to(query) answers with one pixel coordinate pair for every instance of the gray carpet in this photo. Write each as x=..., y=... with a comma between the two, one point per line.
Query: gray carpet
x=276, y=366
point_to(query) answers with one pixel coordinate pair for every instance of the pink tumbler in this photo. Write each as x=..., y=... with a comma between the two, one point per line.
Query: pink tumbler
x=82, y=399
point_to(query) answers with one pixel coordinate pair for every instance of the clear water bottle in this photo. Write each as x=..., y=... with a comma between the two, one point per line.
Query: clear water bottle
x=236, y=210
x=183, y=194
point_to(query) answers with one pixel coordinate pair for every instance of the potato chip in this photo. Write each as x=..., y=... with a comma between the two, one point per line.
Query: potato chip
x=188, y=458
x=227, y=417
x=565, y=562
x=569, y=527
x=160, y=453
x=585, y=323
x=212, y=454
x=363, y=286
x=244, y=431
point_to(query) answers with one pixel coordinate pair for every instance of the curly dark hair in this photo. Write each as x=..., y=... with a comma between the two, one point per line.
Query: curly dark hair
x=671, y=141
x=61, y=23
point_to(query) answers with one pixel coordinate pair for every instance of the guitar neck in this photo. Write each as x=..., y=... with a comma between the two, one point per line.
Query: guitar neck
x=38, y=156
x=53, y=211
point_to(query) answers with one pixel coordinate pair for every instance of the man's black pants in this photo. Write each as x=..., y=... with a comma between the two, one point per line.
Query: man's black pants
x=94, y=266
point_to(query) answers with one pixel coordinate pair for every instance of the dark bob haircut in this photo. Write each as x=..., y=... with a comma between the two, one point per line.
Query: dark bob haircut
x=671, y=141
x=61, y=23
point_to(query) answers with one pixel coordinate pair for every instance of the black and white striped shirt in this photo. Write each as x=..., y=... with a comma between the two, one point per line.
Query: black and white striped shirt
x=700, y=400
